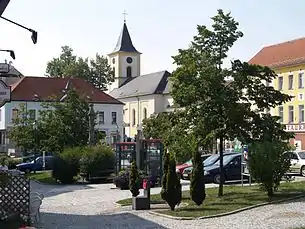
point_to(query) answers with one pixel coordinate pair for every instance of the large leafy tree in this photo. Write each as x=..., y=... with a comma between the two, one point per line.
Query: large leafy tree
x=65, y=125
x=25, y=132
x=96, y=71
x=214, y=106
x=171, y=128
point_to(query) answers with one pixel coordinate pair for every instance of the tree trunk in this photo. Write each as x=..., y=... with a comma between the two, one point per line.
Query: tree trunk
x=221, y=172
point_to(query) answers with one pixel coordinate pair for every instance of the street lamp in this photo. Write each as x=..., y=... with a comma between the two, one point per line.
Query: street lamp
x=12, y=53
x=3, y=5
x=33, y=32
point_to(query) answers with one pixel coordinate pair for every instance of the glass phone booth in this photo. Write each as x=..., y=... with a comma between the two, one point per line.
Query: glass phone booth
x=125, y=154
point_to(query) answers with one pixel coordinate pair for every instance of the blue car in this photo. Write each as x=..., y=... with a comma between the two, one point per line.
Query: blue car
x=231, y=166
x=36, y=165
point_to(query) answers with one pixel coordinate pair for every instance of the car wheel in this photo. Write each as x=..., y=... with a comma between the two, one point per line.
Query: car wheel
x=217, y=179
x=27, y=171
x=303, y=171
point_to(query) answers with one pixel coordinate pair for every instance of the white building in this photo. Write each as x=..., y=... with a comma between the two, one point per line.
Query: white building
x=33, y=91
x=143, y=95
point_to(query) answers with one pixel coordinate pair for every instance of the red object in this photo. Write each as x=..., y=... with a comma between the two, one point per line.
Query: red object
x=144, y=184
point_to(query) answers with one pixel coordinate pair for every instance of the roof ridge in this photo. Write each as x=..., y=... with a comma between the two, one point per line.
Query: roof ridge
x=285, y=42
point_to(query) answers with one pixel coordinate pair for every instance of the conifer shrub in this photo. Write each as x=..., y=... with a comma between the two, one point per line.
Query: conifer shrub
x=134, y=180
x=166, y=159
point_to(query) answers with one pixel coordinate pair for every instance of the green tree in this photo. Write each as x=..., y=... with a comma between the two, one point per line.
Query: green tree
x=134, y=180
x=65, y=124
x=173, y=185
x=214, y=106
x=197, y=186
x=268, y=157
x=24, y=132
x=172, y=129
x=96, y=71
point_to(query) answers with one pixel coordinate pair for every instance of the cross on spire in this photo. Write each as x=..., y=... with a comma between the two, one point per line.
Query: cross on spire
x=125, y=14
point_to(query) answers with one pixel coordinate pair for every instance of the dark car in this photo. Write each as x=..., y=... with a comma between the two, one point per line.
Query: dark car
x=36, y=165
x=231, y=166
x=207, y=162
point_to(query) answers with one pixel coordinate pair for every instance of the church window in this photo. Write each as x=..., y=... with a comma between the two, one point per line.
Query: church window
x=133, y=117
x=144, y=113
x=128, y=72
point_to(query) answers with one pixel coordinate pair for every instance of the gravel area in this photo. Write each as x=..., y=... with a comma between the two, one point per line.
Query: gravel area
x=92, y=206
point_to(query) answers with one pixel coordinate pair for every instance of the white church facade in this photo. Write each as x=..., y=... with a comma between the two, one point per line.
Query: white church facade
x=143, y=95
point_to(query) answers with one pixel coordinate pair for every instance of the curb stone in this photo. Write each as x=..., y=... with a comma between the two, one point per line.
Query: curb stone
x=226, y=213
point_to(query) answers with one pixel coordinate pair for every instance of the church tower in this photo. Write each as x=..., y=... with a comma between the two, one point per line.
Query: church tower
x=124, y=59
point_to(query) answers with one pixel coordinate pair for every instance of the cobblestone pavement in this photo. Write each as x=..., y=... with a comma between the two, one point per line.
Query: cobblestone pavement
x=93, y=207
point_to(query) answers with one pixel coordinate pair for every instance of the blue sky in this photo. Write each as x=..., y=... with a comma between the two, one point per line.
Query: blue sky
x=158, y=28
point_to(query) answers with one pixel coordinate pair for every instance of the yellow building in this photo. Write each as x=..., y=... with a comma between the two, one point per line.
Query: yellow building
x=288, y=61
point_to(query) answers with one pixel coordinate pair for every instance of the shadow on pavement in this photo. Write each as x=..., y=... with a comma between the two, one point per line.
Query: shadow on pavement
x=114, y=221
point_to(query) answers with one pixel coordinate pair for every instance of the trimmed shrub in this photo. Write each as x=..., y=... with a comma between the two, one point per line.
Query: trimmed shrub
x=197, y=186
x=97, y=161
x=173, y=185
x=66, y=165
x=166, y=159
x=134, y=180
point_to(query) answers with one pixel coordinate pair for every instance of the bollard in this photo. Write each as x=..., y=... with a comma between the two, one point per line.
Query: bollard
x=146, y=187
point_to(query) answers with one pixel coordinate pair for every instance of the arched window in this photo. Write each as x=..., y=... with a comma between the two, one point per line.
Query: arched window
x=133, y=117
x=144, y=113
x=129, y=72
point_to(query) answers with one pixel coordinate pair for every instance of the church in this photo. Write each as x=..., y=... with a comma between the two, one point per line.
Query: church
x=143, y=95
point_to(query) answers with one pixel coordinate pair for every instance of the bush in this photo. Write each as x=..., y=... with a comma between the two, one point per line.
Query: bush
x=67, y=164
x=268, y=163
x=197, y=186
x=10, y=162
x=134, y=180
x=173, y=185
x=97, y=161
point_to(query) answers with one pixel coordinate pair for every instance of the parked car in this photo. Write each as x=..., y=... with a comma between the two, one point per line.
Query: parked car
x=36, y=165
x=187, y=164
x=297, y=160
x=212, y=159
x=231, y=166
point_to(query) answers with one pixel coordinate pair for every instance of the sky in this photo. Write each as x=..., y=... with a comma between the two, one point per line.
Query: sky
x=158, y=28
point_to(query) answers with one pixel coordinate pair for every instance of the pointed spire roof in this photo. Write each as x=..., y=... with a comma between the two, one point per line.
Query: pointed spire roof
x=124, y=43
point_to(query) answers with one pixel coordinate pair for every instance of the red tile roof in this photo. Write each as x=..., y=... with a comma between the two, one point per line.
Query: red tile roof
x=44, y=88
x=283, y=54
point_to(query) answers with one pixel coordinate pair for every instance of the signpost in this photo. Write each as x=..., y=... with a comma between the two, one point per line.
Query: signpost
x=5, y=93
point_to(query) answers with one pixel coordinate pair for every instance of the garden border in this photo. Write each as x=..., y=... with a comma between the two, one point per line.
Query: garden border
x=226, y=213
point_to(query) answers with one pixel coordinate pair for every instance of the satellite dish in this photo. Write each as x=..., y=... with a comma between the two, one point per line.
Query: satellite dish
x=3, y=5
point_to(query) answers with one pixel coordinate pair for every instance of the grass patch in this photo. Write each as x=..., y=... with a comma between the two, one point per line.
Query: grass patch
x=43, y=177
x=235, y=197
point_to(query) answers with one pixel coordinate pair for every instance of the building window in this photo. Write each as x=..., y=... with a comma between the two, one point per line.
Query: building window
x=290, y=114
x=280, y=83
x=301, y=113
x=301, y=80
x=144, y=113
x=113, y=69
x=281, y=114
x=290, y=82
x=32, y=114
x=101, y=117
x=133, y=117
x=14, y=114
x=113, y=117
x=128, y=72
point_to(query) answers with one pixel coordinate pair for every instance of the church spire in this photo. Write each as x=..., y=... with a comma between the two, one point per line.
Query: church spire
x=124, y=43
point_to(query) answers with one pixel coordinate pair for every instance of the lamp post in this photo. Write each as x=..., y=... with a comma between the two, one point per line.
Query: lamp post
x=139, y=147
x=12, y=53
x=33, y=32
x=35, y=142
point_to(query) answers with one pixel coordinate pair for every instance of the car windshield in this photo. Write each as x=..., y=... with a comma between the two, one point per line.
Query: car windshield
x=226, y=159
x=211, y=160
x=301, y=155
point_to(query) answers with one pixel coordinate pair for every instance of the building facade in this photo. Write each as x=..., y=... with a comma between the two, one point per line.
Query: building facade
x=288, y=61
x=32, y=92
x=143, y=95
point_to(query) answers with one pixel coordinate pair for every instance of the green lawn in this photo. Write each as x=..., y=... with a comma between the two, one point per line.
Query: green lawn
x=43, y=177
x=235, y=197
